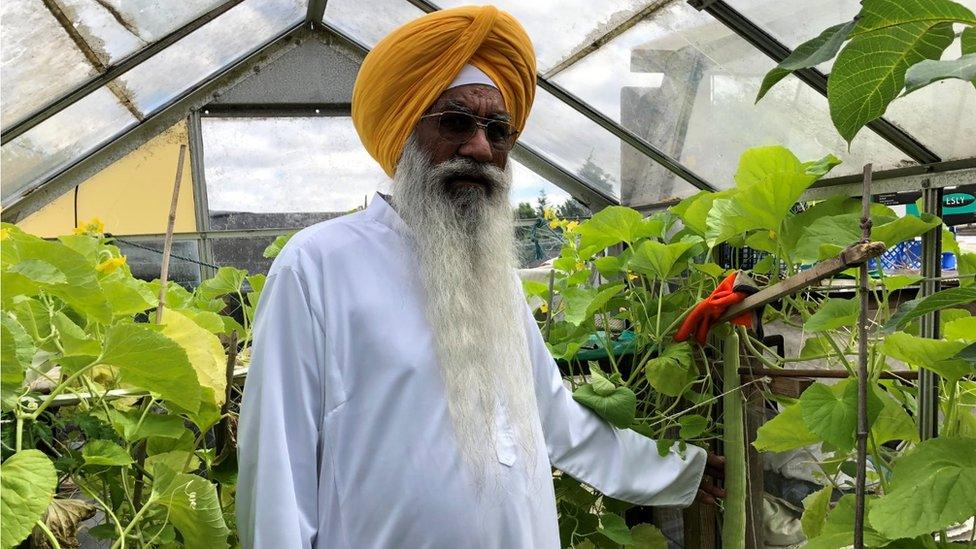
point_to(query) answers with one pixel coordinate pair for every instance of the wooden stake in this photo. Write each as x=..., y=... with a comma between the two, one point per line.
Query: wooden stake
x=168, y=241
x=862, y=367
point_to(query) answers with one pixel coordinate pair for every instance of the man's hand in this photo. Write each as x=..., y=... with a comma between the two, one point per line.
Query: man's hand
x=708, y=493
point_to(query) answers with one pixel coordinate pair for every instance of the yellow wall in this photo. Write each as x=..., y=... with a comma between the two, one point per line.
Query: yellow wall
x=132, y=196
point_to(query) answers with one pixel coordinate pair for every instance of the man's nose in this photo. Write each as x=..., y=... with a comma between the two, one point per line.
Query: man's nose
x=477, y=148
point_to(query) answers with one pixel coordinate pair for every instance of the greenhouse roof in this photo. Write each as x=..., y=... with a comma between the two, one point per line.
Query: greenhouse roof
x=639, y=101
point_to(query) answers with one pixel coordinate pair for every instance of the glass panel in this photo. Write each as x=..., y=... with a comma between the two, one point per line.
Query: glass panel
x=38, y=63
x=60, y=140
x=146, y=263
x=561, y=28
x=152, y=21
x=369, y=20
x=217, y=44
x=687, y=84
x=938, y=115
x=285, y=172
x=243, y=252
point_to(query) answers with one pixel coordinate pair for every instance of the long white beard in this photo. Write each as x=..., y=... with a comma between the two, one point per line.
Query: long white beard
x=466, y=254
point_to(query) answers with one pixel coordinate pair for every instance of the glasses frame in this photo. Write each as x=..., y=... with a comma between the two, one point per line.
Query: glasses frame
x=509, y=139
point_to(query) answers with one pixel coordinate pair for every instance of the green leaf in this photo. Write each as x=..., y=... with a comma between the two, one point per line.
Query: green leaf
x=786, y=431
x=831, y=412
x=39, y=271
x=126, y=424
x=128, y=296
x=208, y=320
x=203, y=349
x=228, y=280
x=966, y=266
x=967, y=40
x=194, y=510
x=910, y=310
x=618, y=408
x=904, y=228
x=646, y=536
x=808, y=54
x=275, y=247
x=879, y=14
x=935, y=354
x=659, y=259
x=928, y=71
x=711, y=269
x=870, y=71
x=672, y=370
x=832, y=314
x=105, y=452
x=815, y=507
x=932, y=487
x=601, y=385
x=615, y=528
x=693, y=210
x=608, y=265
x=582, y=303
x=692, y=425
x=963, y=329
x=838, y=531
x=27, y=483
x=73, y=339
x=614, y=225
x=893, y=423
x=898, y=282
x=16, y=352
x=154, y=362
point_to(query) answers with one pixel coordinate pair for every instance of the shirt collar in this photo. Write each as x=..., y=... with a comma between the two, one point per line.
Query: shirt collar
x=380, y=211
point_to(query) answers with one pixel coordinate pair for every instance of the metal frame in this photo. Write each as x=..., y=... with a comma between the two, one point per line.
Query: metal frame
x=899, y=180
x=112, y=73
x=316, y=12
x=33, y=198
x=777, y=51
x=612, y=126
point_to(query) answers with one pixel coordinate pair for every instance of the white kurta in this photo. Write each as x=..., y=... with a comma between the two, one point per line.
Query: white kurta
x=345, y=439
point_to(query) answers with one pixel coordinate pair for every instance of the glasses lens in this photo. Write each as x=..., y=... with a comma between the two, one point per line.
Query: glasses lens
x=456, y=126
x=499, y=134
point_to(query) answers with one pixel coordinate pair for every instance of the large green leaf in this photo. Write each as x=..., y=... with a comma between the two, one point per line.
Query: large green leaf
x=830, y=411
x=39, y=271
x=879, y=14
x=910, y=310
x=16, y=352
x=618, y=408
x=151, y=361
x=930, y=70
x=838, y=531
x=275, y=247
x=832, y=314
x=815, y=507
x=194, y=510
x=693, y=210
x=614, y=225
x=126, y=295
x=808, y=54
x=228, y=280
x=893, y=423
x=671, y=371
x=105, y=452
x=73, y=339
x=583, y=302
x=203, y=349
x=963, y=329
x=28, y=480
x=934, y=354
x=615, y=528
x=786, y=431
x=79, y=289
x=932, y=487
x=659, y=259
x=870, y=71
x=903, y=228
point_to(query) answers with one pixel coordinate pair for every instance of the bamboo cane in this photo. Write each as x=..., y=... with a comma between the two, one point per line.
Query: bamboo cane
x=862, y=367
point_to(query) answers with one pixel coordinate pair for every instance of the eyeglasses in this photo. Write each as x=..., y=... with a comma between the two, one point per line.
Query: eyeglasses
x=459, y=127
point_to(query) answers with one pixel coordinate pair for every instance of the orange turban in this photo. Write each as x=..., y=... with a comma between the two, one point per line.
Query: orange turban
x=410, y=68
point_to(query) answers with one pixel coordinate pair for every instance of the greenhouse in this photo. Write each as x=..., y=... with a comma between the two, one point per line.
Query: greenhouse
x=256, y=273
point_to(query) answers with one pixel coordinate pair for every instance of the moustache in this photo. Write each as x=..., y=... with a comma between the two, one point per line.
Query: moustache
x=490, y=177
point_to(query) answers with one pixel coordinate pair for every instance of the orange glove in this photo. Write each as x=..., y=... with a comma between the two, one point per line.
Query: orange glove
x=701, y=318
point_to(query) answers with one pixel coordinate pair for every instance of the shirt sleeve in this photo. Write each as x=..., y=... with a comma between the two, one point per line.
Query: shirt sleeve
x=279, y=426
x=620, y=463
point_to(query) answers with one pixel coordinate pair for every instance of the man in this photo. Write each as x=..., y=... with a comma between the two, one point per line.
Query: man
x=400, y=393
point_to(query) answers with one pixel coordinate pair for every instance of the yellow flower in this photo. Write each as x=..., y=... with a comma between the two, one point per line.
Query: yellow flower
x=544, y=307
x=579, y=265
x=4, y=233
x=110, y=265
x=571, y=225
x=549, y=214
x=93, y=227
x=554, y=224
x=772, y=234
x=631, y=276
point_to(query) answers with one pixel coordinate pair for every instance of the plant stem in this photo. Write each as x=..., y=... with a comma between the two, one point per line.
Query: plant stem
x=19, y=440
x=47, y=532
x=133, y=522
x=61, y=388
